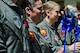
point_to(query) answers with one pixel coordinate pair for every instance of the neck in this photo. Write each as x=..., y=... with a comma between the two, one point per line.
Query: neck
x=31, y=19
x=49, y=20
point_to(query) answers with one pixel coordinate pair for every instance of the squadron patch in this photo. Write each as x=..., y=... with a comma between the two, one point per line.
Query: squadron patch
x=31, y=36
x=62, y=32
x=26, y=24
x=43, y=32
x=17, y=22
x=58, y=37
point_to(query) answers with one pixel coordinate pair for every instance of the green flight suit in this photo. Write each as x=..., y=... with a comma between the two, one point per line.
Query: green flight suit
x=51, y=38
x=13, y=34
x=35, y=46
x=69, y=36
x=78, y=38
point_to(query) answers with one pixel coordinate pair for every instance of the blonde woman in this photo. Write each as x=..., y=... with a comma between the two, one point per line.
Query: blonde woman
x=51, y=10
x=52, y=14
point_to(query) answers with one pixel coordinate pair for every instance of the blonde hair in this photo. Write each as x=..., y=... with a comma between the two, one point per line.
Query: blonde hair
x=69, y=7
x=50, y=5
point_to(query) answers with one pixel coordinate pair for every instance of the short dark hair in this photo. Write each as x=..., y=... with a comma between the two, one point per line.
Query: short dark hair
x=28, y=3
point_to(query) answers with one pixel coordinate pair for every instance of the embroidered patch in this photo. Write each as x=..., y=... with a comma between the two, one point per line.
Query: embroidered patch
x=17, y=22
x=62, y=32
x=43, y=32
x=31, y=36
x=58, y=37
x=26, y=24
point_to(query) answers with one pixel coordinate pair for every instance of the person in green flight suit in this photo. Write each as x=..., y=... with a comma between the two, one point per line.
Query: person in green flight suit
x=51, y=10
x=13, y=34
x=52, y=13
x=77, y=29
x=33, y=11
x=69, y=35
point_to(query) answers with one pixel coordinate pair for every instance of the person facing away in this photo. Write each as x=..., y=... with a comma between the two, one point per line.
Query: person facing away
x=69, y=35
x=33, y=11
x=13, y=34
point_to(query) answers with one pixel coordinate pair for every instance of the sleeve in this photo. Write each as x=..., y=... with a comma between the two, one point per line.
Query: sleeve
x=3, y=47
x=73, y=36
x=34, y=40
x=47, y=46
x=56, y=49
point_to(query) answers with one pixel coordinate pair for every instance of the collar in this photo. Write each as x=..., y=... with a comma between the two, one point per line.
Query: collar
x=31, y=22
x=46, y=23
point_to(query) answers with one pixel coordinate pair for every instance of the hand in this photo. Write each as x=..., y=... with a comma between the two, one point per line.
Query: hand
x=60, y=51
x=77, y=46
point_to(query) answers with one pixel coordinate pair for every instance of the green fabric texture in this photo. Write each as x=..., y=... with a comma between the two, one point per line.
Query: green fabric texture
x=13, y=35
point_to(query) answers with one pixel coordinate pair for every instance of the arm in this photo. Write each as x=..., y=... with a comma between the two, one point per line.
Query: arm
x=70, y=48
x=3, y=47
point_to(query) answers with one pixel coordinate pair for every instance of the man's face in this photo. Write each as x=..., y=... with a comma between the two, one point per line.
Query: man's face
x=37, y=11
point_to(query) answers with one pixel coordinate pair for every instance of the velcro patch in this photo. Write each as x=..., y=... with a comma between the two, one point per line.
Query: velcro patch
x=31, y=36
x=58, y=37
x=62, y=32
x=26, y=24
x=43, y=32
x=17, y=22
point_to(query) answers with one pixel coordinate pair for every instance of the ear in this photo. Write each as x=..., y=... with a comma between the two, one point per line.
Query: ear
x=47, y=12
x=28, y=10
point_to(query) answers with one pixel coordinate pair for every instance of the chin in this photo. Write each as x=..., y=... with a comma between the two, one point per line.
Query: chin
x=56, y=20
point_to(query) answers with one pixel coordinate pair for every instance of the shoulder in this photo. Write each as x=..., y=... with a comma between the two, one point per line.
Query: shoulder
x=41, y=25
x=59, y=26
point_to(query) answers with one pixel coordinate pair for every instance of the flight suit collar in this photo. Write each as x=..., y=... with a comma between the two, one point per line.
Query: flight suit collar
x=9, y=2
x=31, y=22
x=44, y=21
x=32, y=26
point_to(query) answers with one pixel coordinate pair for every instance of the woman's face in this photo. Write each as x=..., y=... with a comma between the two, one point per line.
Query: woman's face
x=54, y=14
x=37, y=11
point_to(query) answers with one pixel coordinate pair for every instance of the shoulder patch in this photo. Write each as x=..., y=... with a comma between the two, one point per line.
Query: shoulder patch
x=31, y=36
x=43, y=32
x=62, y=32
x=17, y=22
x=26, y=24
x=58, y=37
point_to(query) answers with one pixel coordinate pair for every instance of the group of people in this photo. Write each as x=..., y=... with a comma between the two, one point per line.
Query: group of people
x=24, y=30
